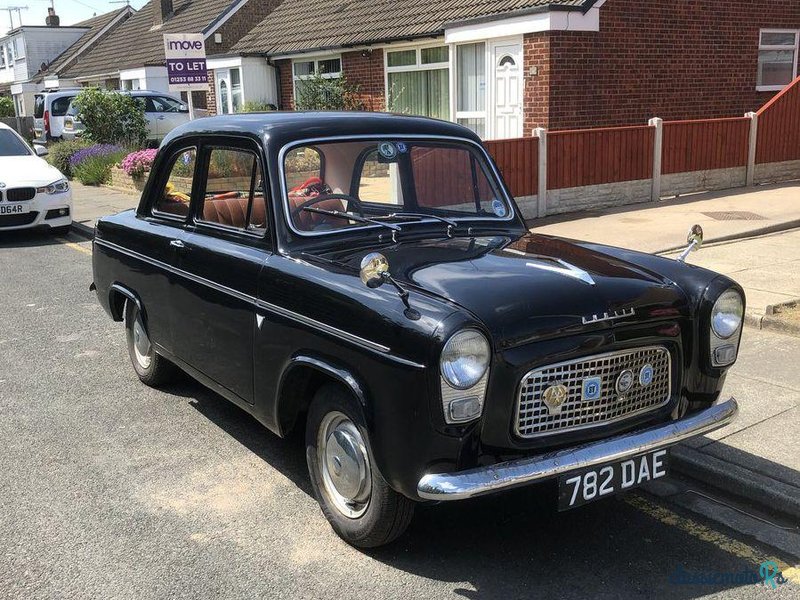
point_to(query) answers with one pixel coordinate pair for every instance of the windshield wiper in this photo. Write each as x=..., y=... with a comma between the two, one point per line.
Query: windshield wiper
x=413, y=215
x=351, y=217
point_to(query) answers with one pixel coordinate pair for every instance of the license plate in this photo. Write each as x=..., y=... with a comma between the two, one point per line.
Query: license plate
x=13, y=209
x=576, y=489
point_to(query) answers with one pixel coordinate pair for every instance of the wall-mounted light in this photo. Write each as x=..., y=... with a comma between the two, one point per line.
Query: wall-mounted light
x=366, y=53
x=217, y=38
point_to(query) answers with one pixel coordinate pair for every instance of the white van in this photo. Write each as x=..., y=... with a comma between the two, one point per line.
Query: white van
x=49, y=109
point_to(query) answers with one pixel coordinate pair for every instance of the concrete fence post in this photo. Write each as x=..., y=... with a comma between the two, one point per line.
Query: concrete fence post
x=658, y=150
x=751, y=153
x=541, y=208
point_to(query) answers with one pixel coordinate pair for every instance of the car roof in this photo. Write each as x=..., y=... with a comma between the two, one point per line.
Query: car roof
x=281, y=128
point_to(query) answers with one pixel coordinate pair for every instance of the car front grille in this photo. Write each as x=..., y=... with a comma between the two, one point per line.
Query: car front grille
x=18, y=219
x=584, y=407
x=20, y=194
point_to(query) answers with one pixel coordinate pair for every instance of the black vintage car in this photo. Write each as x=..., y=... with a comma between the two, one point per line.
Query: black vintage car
x=369, y=278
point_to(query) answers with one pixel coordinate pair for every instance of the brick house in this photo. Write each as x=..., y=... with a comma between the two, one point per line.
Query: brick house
x=132, y=57
x=504, y=68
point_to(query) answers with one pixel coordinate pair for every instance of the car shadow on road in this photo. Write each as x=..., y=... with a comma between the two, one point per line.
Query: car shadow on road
x=511, y=545
x=33, y=238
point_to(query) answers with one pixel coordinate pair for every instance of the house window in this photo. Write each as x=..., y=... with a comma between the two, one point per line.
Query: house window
x=418, y=81
x=303, y=70
x=777, y=58
x=230, y=95
x=18, y=45
x=471, y=87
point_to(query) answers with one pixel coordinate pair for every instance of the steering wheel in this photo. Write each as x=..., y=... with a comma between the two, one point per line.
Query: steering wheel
x=322, y=197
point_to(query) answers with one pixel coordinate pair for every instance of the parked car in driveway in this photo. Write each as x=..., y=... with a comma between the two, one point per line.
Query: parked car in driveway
x=162, y=111
x=32, y=192
x=49, y=109
x=369, y=278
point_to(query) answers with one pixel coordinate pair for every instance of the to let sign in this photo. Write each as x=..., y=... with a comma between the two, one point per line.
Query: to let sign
x=186, y=61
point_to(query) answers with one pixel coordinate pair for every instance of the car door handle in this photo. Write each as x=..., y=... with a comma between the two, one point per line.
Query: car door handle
x=161, y=118
x=177, y=244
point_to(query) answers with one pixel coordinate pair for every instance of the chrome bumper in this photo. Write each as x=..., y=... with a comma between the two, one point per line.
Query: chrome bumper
x=485, y=480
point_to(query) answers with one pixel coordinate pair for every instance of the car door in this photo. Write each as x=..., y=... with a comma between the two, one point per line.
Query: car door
x=221, y=260
x=158, y=239
x=172, y=114
x=151, y=115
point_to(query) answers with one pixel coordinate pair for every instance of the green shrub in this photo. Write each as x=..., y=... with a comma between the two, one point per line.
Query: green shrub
x=254, y=106
x=60, y=154
x=112, y=118
x=7, y=107
x=326, y=93
x=92, y=166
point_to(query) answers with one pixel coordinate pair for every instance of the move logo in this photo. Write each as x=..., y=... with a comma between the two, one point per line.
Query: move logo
x=185, y=45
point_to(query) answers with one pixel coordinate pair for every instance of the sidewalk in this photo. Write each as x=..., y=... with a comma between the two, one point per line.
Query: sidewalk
x=768, y=267
x=90, y=203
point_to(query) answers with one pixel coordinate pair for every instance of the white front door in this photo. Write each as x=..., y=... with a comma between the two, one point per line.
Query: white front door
x=507, y=88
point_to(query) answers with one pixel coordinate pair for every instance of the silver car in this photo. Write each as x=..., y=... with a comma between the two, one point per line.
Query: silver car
x=162, y=111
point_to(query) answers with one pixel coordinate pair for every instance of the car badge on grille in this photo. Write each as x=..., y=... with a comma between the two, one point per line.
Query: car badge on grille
x=624, y=382
x=646, y=375
x=592, y=387
x=2, y=185
x=554, y=397
x=614, y=316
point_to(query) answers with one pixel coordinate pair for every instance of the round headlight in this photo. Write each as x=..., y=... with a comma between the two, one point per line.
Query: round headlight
x=726, y=316
x=465, y=358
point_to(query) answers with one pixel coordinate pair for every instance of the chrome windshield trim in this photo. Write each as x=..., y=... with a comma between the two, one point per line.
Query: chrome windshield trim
x=505, y=475
x=273, y=308
x=318, y=140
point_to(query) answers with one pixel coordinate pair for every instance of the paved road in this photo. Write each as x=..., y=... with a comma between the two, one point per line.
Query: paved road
x=111, y=489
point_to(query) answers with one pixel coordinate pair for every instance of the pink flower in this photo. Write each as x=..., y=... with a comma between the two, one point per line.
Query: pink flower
x=138, y=163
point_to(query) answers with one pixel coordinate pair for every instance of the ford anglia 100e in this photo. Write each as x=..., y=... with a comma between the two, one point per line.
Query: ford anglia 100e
x=370, y=279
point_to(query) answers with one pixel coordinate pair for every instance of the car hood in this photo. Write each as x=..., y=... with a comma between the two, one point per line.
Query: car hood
x=533, y=286
x=18, y=171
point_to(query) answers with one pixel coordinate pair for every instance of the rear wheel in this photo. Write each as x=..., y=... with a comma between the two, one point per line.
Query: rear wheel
x=358, y=503
x=151, y=368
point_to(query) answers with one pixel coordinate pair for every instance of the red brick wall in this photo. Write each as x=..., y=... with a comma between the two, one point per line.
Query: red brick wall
x=661, y=58
x=211, y=94
x=366, y=71
x=536, y=93
x=286, y=93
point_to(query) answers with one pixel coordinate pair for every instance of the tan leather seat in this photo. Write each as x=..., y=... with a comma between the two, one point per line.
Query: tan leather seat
x=308, y=221
x=233, y=212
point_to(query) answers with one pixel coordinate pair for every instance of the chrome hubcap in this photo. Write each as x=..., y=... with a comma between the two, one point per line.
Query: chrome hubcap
x=141, y=343
x=344, y=465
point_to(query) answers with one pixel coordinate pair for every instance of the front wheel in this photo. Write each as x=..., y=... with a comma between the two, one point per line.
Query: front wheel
x=358, y=503
x=151, y=368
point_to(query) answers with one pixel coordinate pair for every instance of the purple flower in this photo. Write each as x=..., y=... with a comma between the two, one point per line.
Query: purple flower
x=92, y=151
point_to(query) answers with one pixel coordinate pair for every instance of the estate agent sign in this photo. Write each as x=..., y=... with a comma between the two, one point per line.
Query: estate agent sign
x=186, y=61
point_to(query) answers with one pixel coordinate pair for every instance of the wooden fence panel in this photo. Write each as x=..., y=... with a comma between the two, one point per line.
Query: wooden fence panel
x=779, y=127
x=518, y=162
x=705, y=145
x=595, y=156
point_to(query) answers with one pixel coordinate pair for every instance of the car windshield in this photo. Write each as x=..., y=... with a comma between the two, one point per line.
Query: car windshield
x=394, y=181
x=11, y=145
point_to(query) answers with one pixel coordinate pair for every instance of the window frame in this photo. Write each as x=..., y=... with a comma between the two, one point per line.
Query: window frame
x=201, y=177
x=419, y=66
x=762, y=47
x=316, y=59
x=152, y=210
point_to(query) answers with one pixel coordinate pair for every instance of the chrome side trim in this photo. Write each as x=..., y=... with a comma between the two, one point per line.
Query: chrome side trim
x=273, y=308
x=501, y=476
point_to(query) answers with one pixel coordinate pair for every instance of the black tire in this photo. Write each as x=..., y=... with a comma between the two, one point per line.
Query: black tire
x=387, y=513
x=156, y=370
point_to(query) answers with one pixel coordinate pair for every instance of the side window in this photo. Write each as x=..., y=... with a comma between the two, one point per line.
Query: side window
x=60, y=106
x=379, y=181
x=234, y=194
x=302, y=166
x=149, y=105
x=176, y=193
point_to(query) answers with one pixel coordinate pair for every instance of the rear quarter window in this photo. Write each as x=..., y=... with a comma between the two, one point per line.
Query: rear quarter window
x=60, y=106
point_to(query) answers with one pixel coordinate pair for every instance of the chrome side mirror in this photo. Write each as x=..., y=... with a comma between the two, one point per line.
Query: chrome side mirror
x=374, y=270
x=695, y=241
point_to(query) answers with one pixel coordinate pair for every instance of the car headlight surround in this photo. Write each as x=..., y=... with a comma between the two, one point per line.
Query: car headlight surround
x=57, y=187
x=727, y=314
x=465, y=359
